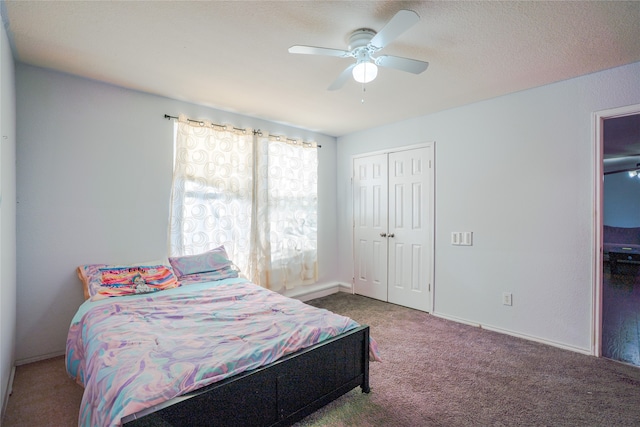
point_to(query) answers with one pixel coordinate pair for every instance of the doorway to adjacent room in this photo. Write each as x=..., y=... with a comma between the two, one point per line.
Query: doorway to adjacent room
x=617, y=287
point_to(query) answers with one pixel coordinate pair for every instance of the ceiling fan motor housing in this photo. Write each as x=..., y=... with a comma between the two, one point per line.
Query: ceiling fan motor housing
x=360, y=38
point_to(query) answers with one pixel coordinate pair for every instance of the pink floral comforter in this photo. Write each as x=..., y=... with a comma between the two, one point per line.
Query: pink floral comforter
x=130, y=353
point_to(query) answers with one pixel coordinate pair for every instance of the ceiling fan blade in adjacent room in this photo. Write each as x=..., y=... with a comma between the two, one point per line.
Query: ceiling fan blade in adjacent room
x=401, y=22
x=404, y=64
x=342, y=78
x=312, y=50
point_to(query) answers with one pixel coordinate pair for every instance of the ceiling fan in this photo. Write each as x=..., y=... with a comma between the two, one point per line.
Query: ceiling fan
x=364, y=43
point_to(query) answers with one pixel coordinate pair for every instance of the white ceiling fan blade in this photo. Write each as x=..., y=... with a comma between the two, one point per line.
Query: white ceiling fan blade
x=312, y=50
x=400, y=23
x=404, y=64
x=342, y=78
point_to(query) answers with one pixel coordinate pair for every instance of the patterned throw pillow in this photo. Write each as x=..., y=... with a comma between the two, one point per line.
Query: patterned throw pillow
x=130, y=280
x=92, y=278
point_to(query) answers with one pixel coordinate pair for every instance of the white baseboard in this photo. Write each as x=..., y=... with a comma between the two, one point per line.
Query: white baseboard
x=5, y=402
x=39, y=358
x=317, y=290
x=581, y=350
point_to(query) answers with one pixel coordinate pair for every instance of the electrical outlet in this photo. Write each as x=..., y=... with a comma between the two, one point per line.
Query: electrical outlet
x=507, y=298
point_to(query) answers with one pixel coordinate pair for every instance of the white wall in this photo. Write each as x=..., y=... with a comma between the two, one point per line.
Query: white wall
x=519, y=172
x=94, y=169
x=94, y=177
x=621, y=200
x=7, y=216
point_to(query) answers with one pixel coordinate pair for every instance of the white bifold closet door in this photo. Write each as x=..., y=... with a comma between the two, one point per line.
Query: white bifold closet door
x=393, y=226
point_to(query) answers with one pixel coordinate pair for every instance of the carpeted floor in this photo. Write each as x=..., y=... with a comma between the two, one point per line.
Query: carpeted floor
x=441, y=373
x=435, y=373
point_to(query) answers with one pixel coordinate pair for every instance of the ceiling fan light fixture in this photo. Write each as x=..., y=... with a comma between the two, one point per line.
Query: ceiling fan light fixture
x=365, y=72
x=364, y=44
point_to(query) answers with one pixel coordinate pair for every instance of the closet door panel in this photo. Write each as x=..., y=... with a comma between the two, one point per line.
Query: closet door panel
x=370, y=215
x=409, y=232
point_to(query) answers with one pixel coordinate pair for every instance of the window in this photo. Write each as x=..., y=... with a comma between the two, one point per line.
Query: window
x=251, y=193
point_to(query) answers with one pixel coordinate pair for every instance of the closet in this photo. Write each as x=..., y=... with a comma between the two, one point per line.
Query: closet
x=393, y=224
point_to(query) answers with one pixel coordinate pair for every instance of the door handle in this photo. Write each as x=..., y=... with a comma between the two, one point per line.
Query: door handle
x=383, y=234
x=392, y=235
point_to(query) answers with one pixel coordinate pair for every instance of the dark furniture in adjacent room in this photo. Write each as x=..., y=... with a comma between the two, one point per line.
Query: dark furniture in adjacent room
x=621, y=244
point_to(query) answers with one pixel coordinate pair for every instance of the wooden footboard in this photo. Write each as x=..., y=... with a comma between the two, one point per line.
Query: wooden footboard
x=278, y=394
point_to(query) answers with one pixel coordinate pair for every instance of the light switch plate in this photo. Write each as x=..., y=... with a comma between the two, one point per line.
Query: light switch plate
x=467, y=238
x=455, y=238
x=462, y=238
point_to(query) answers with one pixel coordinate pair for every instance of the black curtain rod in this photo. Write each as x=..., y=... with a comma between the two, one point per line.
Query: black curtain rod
x=255, y=132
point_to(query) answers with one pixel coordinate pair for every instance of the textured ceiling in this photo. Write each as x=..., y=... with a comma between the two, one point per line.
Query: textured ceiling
x=232, y=55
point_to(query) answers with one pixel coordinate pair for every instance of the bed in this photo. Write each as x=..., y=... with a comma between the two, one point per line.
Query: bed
x=206, y=348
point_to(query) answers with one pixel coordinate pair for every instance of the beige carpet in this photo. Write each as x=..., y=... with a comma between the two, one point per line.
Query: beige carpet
x=435, y=373
x=43, y=395
x=441, y=373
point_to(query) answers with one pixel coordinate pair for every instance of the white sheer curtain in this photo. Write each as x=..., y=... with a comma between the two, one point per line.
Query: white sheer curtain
x=287, y=212
x=256, y=195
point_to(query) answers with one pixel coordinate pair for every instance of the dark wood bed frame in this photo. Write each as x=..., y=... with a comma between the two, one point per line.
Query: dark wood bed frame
x=278, y=394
